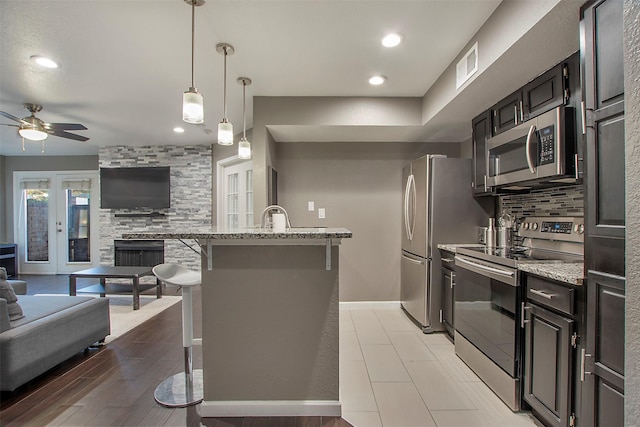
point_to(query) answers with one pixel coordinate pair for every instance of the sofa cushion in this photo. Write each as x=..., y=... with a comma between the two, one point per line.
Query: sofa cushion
x=37, y=307
x=7, y=293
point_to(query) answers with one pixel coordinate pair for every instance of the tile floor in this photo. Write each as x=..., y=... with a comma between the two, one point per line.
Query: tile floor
x=393, y=375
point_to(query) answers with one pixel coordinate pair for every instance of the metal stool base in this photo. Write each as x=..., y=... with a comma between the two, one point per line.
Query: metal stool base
x=174, y=392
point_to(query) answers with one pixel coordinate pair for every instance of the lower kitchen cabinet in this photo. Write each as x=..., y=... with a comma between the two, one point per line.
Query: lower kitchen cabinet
x=551, y=318
x=448, y=289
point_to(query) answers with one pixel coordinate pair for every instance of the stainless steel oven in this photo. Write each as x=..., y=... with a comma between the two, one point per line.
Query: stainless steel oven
x=487, y=323
x=540, y=151
x=488, y=299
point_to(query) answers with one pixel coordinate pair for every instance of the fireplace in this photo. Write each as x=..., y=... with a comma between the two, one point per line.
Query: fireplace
x=138, y=253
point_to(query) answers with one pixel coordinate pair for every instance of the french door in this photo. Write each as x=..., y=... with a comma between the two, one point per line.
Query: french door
x=56, y=221
x=235, y=193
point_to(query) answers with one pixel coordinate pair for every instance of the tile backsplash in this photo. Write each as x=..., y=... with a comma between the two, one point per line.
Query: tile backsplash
x=558, y=201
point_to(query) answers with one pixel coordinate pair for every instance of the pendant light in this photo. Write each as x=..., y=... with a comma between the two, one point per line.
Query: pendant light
x=244, y=146
x=225, y=129
x=192, y=101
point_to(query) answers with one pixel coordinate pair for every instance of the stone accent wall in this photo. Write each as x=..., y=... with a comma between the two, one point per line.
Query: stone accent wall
x=190, y=198
x=559, y=201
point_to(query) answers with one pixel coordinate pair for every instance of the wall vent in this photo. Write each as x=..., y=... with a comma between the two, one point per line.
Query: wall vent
x=467, y=66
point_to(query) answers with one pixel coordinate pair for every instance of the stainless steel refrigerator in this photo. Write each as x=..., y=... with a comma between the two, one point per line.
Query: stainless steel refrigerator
x=438, y=207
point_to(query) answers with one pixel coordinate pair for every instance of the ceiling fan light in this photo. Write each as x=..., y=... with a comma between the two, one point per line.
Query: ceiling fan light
x=225, y=133
x=244, y=148
x=192, y=106
x=33, y=134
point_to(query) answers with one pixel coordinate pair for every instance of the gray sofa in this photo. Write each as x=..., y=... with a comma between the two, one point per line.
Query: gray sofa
x=53, y=329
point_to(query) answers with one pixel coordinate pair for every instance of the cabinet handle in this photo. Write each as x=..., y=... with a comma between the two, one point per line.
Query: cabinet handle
x=583, y=370
x=515, y=115
x=521, y=112
x=542, y=294
x=485, y=183
x=523, y=311
x=447, y=259
x=584, y=118
x=577, y=160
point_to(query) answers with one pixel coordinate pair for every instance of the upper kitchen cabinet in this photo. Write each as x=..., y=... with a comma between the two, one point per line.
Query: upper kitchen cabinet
x=601, y=29
x=507, y=113
x=481, y=131
x=560, y=85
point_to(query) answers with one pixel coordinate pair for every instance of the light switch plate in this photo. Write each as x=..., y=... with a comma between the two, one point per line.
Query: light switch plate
x=311, y=206
x=321, y=213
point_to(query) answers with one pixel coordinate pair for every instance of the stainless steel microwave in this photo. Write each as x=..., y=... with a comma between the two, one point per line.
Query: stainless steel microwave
x=539, y=152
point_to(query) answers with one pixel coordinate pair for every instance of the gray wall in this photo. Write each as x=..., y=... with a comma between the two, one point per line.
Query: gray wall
x=35, y=163
x=3, y=202
x=632, y=155
x=360, y=186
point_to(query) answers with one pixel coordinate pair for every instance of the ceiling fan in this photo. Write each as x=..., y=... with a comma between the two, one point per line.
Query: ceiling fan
x=34, y=129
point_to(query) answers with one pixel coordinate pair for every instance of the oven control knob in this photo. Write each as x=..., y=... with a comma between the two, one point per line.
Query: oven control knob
x=534, y=226
x=526, y=225
x=580, y=228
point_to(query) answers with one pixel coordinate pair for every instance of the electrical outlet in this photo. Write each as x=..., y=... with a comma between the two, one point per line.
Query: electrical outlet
x=311, y=206
x=321, y=213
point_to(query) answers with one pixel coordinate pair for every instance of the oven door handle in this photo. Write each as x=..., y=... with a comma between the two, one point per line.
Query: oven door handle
x=486, y=267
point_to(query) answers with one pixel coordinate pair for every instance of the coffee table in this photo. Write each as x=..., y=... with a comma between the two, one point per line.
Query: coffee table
x=103, y=273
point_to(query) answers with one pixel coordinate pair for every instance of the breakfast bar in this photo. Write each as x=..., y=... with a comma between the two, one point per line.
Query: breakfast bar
x=270, y=312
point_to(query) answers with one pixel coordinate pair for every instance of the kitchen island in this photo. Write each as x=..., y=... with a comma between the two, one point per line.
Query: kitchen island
x=269, y=320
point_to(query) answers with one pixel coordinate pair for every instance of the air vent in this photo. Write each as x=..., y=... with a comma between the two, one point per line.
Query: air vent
x=467, y=66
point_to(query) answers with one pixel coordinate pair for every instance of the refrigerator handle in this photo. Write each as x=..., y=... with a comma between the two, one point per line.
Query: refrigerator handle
x=413, y=216
x=406, y=206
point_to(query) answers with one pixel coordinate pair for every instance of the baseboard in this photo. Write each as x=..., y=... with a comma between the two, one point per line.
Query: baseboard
x=369, y=304
x=270, y=408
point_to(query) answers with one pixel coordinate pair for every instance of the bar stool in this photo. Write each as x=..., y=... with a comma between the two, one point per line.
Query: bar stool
x=185, y=388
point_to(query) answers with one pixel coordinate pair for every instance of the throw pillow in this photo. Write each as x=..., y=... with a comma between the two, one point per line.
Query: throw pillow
x=7, y=292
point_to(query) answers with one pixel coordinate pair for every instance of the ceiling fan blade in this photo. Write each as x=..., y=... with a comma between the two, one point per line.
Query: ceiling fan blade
x=64, y=126
x=67, y=135
x=14, y=118
x=7, y=124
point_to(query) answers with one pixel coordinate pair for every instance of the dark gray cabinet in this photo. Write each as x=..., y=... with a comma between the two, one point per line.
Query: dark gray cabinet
x=603, y=97
x=448, y=290
x=481, y=131
x=507, y=113
x=551, y=338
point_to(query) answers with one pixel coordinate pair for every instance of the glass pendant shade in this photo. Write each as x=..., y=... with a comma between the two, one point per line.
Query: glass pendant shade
x=33, y=134
x=244, y=148
x=192, y=106
x=225, y=133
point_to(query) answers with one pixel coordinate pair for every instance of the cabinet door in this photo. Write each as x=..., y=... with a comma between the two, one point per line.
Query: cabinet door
x=603, y=357
x=481, y=127
x=603, y=92
x=448, y=283
x=545, y=92
x=507, y=113
x=548, y=365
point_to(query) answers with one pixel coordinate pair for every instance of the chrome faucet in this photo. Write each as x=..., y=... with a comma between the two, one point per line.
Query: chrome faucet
x=276, y=208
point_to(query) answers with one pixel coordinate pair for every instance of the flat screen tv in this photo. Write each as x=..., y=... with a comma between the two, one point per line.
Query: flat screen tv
x=132, y=188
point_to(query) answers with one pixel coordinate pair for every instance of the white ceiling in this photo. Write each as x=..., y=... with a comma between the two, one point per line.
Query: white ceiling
x=125, y=64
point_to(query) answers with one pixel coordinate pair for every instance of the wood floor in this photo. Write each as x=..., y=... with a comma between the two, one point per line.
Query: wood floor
x=113, y=385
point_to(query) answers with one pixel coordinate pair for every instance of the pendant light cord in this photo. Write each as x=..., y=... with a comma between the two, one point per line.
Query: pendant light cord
x=193, y=32
x=224, y=96
x=244, y=109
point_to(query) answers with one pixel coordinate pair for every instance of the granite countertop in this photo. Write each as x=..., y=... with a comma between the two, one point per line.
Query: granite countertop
x=569, y=272
x=243, y=234
x=452, y=247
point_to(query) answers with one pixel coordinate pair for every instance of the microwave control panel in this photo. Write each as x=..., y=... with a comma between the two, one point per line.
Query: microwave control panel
x=547, y=145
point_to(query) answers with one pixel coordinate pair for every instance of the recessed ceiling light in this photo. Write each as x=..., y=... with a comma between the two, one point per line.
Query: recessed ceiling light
x=44, y=62
x=178, y=129
x=391, y=40
x=377, y=80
